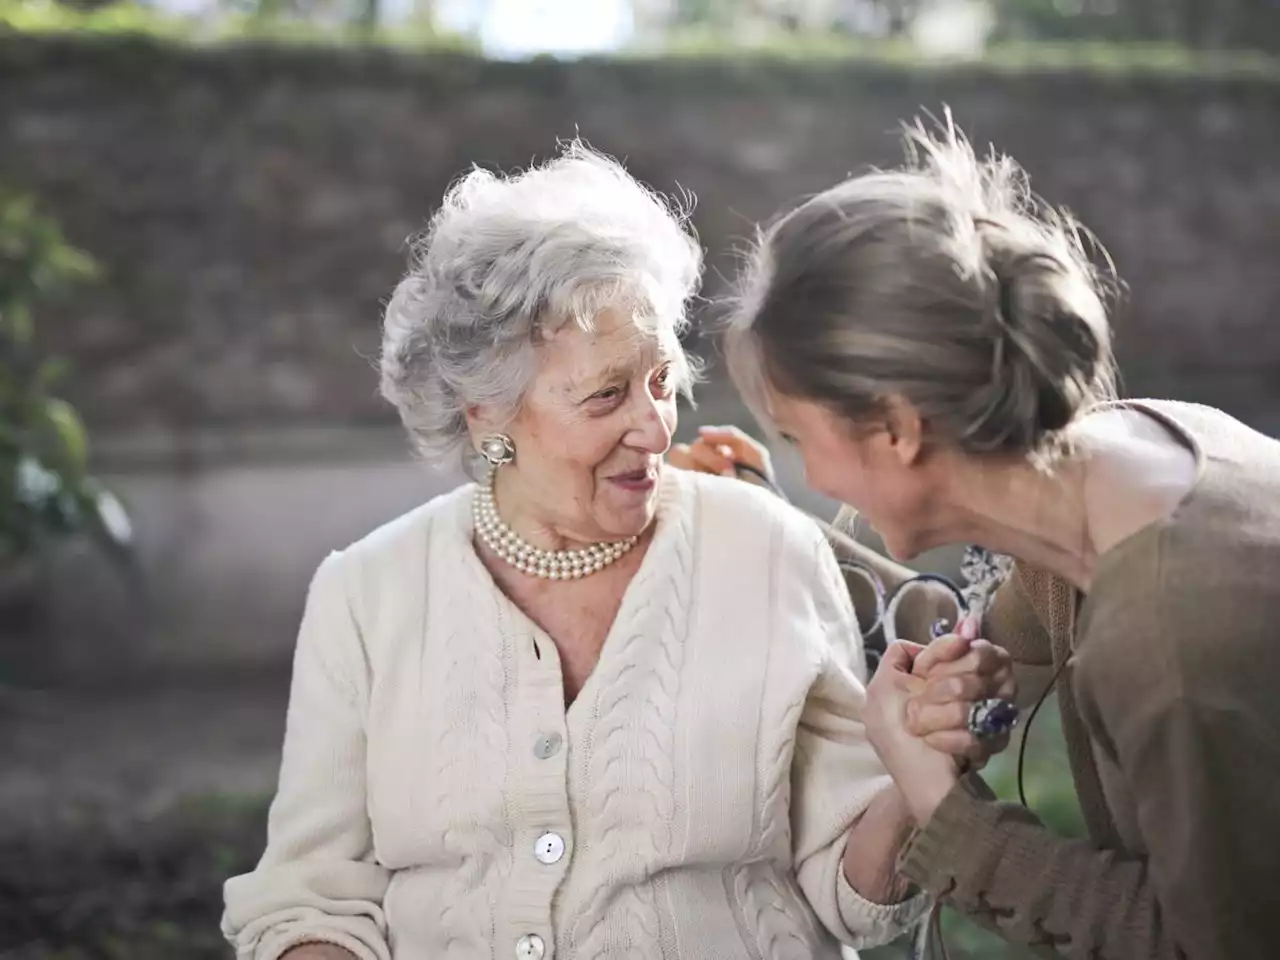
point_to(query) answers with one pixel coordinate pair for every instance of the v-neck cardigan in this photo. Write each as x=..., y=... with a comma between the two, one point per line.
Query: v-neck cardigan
x=436, y=800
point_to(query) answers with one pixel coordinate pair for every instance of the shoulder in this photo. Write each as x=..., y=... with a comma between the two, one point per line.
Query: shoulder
x=399, y=548
x=761, y=550
x=1196, y=585
x=1186, y=619
x=731, y=510
x=1220, y=440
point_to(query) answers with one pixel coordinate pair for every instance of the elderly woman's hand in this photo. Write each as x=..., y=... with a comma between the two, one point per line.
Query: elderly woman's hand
x=716, y=451
x=959, y=670
x=923, y=775
x=918, y=711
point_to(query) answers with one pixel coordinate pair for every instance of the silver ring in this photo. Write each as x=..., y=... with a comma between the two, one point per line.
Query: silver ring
x=991, y=718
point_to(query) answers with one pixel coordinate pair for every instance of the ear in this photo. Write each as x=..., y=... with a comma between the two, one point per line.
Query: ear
x=906, y=430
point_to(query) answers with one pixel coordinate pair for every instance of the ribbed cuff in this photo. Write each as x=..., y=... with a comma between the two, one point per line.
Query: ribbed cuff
x=873, y=924
x=952, y=838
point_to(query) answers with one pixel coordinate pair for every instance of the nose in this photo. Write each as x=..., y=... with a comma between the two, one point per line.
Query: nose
x=653, y=427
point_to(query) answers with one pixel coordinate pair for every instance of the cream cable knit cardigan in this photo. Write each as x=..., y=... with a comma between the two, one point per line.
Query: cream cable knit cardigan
x=437, y=801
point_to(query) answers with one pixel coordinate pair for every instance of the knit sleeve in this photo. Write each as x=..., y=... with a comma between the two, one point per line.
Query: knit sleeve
x=997, y=863
x=1173, y=675
x=836, y=775
x=317, y=880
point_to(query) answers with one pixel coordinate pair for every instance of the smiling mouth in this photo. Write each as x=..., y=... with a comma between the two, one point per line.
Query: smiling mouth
x=641, y=479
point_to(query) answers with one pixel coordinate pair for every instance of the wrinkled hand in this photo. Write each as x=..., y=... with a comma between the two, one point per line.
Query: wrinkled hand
x=918, y=712
x=958, y=670
x=717, y=449
x=923, y=775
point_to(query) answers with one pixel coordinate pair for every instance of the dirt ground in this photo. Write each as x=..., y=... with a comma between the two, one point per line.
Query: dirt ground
x=122, y=812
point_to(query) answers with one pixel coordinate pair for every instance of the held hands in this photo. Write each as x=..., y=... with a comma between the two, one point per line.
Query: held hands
x=717, y=449
x=958, y=670
x=918, y=711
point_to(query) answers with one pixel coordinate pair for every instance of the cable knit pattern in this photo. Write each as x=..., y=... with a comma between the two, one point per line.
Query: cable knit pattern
x=633, y=776
x=775, y=827
x=692, y=804
x=778, y=933
x=762, y=897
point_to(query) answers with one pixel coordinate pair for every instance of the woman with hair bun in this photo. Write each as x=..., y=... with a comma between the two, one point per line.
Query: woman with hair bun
x=936, y=345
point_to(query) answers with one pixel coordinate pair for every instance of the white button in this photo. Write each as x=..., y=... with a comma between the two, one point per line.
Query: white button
x=530, y=947
x=549, y=848
x=547, y=745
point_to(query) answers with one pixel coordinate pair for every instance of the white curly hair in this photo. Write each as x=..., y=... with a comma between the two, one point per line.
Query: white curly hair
x=509, y=259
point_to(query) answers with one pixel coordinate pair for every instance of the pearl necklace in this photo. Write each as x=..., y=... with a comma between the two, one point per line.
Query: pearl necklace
x=525, y=557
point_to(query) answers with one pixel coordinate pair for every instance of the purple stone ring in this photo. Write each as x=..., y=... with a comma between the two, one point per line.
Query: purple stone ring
x=992, y=718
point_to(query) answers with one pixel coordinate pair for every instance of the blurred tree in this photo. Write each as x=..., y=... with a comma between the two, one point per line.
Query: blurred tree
x=1197, y=24
x=898, y=15
x=369, y=15
x=708, y=13
x=46, y=490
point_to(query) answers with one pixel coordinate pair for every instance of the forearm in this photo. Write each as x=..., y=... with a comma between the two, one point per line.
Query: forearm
x=317, y=951
x=875, y=842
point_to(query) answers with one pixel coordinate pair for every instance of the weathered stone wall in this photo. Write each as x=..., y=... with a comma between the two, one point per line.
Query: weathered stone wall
x=251, y=204
x=250, y=207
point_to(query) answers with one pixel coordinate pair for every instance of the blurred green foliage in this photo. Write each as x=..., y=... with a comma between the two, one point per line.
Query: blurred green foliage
x=46, y=490
x=1198, y=24
x=291, y=22
x=233, y=22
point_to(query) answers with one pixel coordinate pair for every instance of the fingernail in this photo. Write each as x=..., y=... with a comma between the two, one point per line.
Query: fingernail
x=728, y=472
x=969, y=628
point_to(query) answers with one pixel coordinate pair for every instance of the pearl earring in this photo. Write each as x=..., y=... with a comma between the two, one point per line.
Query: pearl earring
x=498, y=449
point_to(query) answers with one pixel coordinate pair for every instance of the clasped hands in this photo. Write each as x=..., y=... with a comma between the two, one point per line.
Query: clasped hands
x=918, y=706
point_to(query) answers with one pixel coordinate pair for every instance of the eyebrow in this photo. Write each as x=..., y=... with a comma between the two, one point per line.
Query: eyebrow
x=621, y=370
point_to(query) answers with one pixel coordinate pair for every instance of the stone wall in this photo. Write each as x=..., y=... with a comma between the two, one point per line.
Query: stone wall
x=250, y=206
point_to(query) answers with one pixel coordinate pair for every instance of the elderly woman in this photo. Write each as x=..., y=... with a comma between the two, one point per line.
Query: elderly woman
x=586, y=707
x=938, y=351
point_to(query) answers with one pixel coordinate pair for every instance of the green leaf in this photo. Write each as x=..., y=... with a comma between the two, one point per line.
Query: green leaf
x=45, y=489
x=70, y=432
x=17, y=322
x=50, y=372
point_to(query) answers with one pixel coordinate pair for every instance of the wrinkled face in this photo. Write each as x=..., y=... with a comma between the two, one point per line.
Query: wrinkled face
x=593, y=430
x=865, y=466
